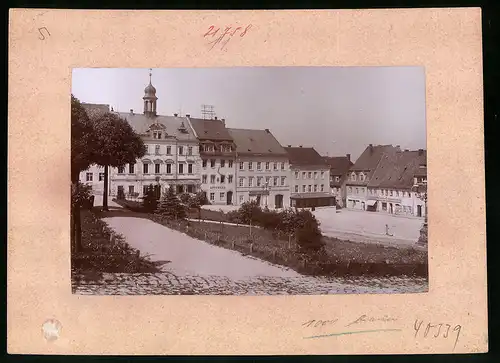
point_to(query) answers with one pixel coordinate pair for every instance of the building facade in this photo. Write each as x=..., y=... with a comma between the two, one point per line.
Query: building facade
x=395, y=185
x=217, y=153
x=262, y=169
x=309, y=178
x=339, y=168
x=360, y=174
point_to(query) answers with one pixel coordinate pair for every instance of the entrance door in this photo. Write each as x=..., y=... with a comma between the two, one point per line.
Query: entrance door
x=390, y=208
x=258, y=200
x=229, y=198
x=157, y=190
x=363, y=204
x=419, y=210
x=278, y=201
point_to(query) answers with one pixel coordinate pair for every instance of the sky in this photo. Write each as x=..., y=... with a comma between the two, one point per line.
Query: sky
x=336, y=110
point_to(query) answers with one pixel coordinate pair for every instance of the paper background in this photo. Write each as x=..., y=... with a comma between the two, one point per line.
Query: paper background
x=446, y=41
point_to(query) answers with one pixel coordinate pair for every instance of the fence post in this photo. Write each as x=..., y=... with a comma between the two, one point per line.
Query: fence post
x=251, y=248
x=232, y=243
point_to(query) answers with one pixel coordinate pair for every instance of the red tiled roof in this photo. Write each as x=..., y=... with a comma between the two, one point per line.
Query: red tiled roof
x=396, y=170
x=256, y=142
x=305, y=156
x=210, y=129
x=339, y=165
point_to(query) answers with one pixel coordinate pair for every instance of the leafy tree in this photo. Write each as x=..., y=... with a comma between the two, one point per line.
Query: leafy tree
x=150, y=202
x=83, y=140
x=197, y=201
x=170, y=206
x=308, y=232
x=249, y=212
x=185, y=198
x=116, y=145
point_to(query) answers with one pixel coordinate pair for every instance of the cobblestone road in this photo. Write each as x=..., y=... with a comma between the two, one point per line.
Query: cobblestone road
x=167, y=283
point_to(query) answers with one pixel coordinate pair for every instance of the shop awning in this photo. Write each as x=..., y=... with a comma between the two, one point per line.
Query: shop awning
x=371, y=203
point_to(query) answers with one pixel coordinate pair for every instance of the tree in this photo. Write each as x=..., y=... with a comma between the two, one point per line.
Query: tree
x=150, y=202
x=83, y=139
x=116, y=145
x=170, y=206
x=308, y=232
x=197, y=201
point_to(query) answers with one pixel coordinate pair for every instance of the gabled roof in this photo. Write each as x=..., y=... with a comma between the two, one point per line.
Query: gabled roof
x=370, y=158
x=339, y=165
x=172, y=125
x=210, y=129
x=256, y=142
x=305, y=156
x=396, y=170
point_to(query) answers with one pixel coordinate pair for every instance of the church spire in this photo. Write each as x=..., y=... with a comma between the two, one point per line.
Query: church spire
x=150, y=98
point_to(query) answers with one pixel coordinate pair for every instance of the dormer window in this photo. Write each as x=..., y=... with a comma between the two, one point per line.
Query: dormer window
x=353, y=177
x=156, y=135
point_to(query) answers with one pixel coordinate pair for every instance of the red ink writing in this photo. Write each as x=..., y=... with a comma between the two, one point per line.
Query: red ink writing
x=222, y=36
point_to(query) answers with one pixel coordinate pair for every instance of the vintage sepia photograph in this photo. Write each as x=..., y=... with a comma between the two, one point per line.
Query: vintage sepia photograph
x=248, y=181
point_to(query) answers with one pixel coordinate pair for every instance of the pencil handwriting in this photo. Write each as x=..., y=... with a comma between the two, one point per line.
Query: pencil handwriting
x=220, y=36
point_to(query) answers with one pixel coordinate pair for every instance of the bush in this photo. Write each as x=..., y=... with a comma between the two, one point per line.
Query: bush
x=81, y=194
x=308, y=232
x=185, y=198
x=249, y=212
x=150, y=202
x=170, y=206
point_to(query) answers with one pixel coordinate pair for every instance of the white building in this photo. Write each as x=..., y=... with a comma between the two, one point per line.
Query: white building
x=262, y=168
x=217, y=153
x=310, y=178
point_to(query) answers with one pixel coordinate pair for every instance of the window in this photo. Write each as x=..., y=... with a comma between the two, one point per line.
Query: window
x=204, y=179
x=357, y=190
x=259, y=180
x=322, y=175
x=309, y=175
x=144, y=189
x=241, y=165
x=190, y=188
x=322, y=187
x=350, y=190
x=275, y=166
x=309, y=188
x=190, y=150
x=212, y=197
x=397, y=193
x=250, y=181
x=130, y=189
x=222, y=179
x=147, y=149
x=156, y=135
x=181, y=168
x=181, y=150
x=121, y=170
x=230, y=164
x=315, y=187
x=267, y=165
x=190, y=168
x=268, y=180
x=241, y=182
x=304, y=175
x=212, y=163
x=250, y=165
x=283, y=180
x=315, y=175
x=241, y=199
x=337, y=179
x=101, y=176
x=157, y=149
x=222, y=163
x=275, y=180
x=259, y=165
x=204, y=163
x=303, y=189
x=169, y=150
x=89, y=177
x=296, y=175
x=157, y=168
x=131, y=168
x=212, y=179
x=229, y=179
x=409, y=194
x=353, y=176
x=169, y=168
x=145, y=168
x=296, y=189
x=390, y=193
x=222, y=195
x=282, y=166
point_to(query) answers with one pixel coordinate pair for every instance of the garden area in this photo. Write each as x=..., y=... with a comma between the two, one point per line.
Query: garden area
x=289, y=237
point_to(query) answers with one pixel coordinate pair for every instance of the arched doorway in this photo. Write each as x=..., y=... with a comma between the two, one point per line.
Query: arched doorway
x=229, y=198
x=278, y=201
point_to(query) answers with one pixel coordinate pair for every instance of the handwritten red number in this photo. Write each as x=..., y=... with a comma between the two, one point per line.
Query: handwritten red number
x=245, y=31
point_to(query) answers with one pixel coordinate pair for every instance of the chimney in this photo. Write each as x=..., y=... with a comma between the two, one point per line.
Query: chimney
x=420, y=152
x=348, y=156
x=223, y=121
x=300, y=145
x=131, y=111
x=188, y=115
x=175, y=114
x=289, y=145
x=371, y=148
x=267, y=130
x=398, y=146
x=215, y=118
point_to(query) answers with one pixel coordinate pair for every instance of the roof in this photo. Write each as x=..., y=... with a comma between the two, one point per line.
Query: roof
x=339, y=165
x=396, y=170
x=311, y=195
x=256, y=142
x=370, y=158
x=304, y=156
x=169, y=124
x=210, y=129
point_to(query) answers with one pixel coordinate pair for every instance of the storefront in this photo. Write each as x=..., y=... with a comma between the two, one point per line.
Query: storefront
x=309, y=200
